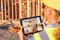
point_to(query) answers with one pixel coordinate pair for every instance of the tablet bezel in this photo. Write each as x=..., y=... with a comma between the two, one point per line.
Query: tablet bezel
x=30, y=18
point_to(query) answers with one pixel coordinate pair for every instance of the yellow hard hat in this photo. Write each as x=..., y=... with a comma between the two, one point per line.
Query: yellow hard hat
x=55, y=4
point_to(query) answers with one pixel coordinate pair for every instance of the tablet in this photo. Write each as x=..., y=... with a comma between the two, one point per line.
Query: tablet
x=31, y=24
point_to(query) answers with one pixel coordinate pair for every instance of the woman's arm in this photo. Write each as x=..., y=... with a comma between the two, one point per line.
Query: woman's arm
x=20, y=33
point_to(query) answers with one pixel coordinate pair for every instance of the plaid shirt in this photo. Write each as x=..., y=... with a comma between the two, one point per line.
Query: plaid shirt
x=6, y=35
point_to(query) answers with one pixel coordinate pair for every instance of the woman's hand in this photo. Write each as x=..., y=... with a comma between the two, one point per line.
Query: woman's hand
x=15, y=29
x=18, y=29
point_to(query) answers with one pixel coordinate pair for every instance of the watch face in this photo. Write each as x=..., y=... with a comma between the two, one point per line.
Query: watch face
x=31, y=24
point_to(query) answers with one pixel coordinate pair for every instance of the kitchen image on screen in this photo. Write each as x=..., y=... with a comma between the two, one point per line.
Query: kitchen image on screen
x=32, y=25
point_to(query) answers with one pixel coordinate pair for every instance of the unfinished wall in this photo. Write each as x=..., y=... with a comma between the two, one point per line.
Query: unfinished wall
x=16, y=9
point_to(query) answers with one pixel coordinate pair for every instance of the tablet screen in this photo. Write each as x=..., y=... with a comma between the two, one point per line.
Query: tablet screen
x=31, y=24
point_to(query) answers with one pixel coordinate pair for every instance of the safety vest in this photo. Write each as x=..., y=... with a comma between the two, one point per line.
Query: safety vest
x=47, y=34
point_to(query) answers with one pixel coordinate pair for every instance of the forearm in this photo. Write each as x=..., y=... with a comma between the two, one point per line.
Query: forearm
x=20, y=35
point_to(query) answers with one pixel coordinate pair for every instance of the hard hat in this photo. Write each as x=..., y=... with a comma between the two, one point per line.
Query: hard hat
x=55, y=4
